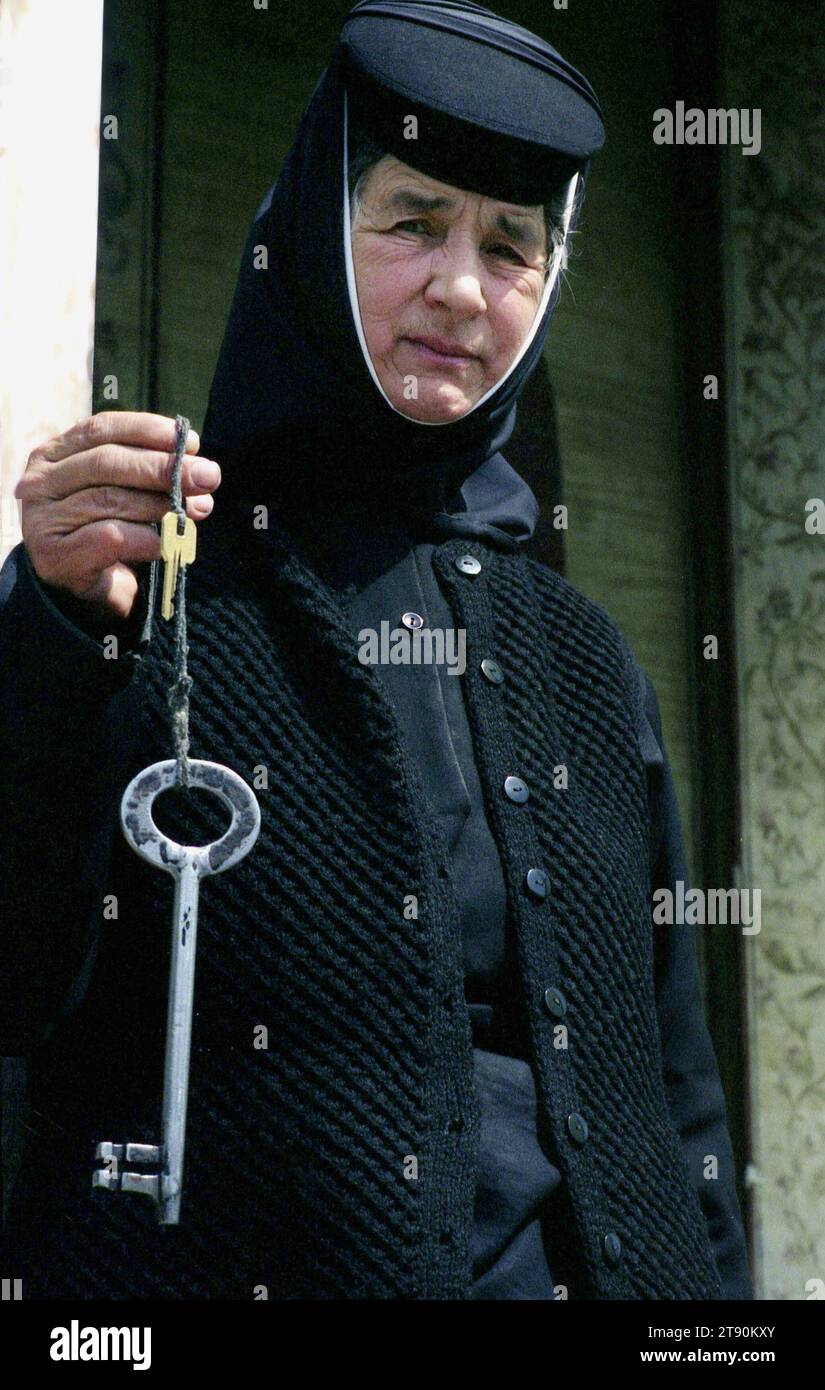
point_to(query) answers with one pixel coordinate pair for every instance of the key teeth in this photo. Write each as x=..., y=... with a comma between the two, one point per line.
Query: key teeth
x=135, y=1153
x=147, y=1184
x=119, y=1178
x=106, y=1149
x=143, y=1153
x=101, y=1177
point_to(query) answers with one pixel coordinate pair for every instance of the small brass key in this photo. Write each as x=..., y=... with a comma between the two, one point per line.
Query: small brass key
x=187, y=864
x=177, y=548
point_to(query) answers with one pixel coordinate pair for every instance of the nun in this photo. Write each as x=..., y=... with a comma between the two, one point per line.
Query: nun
x=440, y=1049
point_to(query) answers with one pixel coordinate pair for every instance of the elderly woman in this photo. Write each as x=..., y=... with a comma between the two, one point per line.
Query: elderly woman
x=440, y=1050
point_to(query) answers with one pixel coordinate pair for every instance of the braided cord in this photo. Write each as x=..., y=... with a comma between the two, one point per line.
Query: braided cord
x=178, y=696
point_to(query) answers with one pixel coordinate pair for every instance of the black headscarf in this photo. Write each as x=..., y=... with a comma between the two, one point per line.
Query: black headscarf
x=295, y=417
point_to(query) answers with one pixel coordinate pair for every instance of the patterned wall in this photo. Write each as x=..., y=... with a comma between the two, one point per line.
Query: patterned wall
x=776, y=264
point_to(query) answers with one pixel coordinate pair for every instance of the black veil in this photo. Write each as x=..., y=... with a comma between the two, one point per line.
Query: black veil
x=295, y=415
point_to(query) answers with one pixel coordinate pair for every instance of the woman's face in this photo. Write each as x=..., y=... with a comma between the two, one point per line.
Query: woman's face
x=448, y=285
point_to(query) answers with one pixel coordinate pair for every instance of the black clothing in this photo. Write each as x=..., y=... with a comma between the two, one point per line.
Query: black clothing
x=294, y=416
x=290, y=937
x=518, y=1185
x=464, y=73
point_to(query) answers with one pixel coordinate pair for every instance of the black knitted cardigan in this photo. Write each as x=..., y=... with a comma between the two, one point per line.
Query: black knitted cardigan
x=338, y=1161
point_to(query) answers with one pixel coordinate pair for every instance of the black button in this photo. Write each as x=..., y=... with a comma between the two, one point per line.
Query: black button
x=577, y=1127
x=516, y=789
x=413, y=621
x=536, y=881
x=468, y=564
x=555, y=1002
x=492, y=671
x=611, y=1248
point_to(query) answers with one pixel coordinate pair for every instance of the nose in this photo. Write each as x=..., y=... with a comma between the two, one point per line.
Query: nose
x=455, y=279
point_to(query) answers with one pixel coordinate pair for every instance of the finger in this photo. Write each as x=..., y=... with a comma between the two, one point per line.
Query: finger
x=113, y=590
x=116, y=427
x=119, y=465
x=83, y=554
x=121, y=504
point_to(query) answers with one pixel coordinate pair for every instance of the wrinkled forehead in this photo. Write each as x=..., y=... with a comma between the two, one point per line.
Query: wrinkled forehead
x=400, y=188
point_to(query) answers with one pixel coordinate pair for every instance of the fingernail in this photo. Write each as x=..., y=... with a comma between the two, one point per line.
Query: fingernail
x=205, y=474
x=193, y=438
x=202, y=506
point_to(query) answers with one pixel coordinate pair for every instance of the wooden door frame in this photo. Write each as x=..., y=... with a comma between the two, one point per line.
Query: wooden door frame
x=705, y=447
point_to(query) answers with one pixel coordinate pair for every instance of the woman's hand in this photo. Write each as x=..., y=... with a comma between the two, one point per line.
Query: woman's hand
x=91, y=494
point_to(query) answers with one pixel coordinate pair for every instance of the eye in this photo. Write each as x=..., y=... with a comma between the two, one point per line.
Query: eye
x=415, y=225
x=504, y=252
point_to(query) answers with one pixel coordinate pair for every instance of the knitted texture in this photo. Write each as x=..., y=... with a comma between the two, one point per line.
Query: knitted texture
x=567, y=704
x=339, y=1160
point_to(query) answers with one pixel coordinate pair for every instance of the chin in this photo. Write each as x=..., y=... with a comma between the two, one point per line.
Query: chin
x=436, y=406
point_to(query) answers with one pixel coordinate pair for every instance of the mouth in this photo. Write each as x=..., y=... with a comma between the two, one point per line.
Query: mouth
x=441, y=351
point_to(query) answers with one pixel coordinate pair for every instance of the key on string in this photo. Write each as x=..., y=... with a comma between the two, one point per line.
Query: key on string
x=177, y=548
x=188, y=864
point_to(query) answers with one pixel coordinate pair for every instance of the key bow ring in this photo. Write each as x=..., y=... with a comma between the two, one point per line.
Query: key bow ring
x=150, y=842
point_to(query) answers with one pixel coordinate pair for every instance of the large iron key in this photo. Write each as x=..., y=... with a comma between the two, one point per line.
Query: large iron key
x=188, y=864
